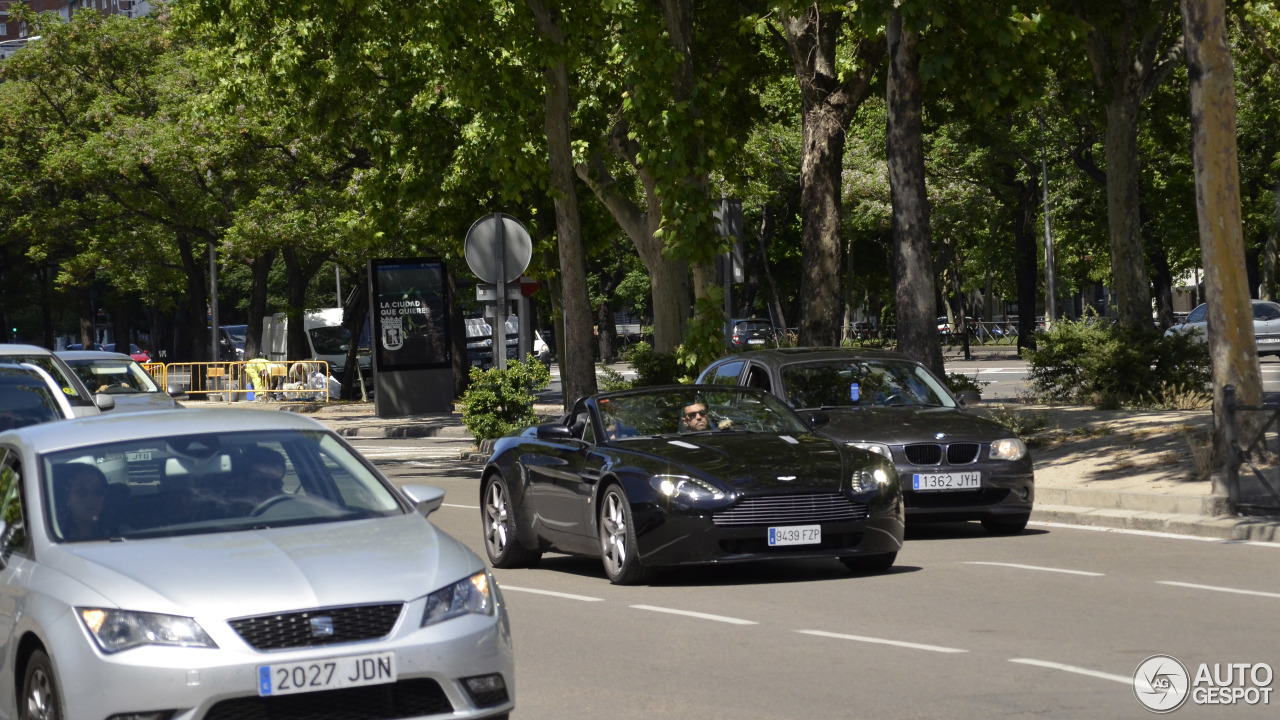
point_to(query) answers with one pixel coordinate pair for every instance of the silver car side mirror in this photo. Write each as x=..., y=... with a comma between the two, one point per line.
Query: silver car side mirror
x=428, y=499
x=104, y=401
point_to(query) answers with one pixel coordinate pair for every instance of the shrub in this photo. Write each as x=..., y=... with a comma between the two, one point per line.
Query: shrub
x=610, y=380
x=957, y=383
x=499, y=402
x=653, y=368
x=1100, y=364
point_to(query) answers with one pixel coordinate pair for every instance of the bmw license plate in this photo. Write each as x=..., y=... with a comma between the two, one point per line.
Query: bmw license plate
x=326, y=674
x=947, y=481
x=755, y=341
x=795, y=535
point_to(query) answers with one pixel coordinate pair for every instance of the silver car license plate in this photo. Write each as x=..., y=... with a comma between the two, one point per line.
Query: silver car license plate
x=327, y=674
x=946, y=481
x=795, y=535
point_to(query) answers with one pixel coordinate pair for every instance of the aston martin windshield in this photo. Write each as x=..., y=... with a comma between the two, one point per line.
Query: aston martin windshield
x=671, y=411
x=208, y=482
x=861, y=383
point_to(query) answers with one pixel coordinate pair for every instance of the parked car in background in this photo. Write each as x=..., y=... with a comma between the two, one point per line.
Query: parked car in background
x=80, y=346
x=29, y=396
x=954, y=465
x=751, y=332
x=233, y=340
x=234, y=564
x=684, y=475
x=121, y=377
x=135, y=352
x=83, y=401
x=1266, y=325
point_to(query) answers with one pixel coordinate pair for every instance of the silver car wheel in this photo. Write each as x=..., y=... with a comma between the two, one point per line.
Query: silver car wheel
x=41, y=694
x=495, y=517
x=613, y=531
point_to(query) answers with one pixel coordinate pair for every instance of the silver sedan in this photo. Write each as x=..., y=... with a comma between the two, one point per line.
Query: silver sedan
x=193, y=565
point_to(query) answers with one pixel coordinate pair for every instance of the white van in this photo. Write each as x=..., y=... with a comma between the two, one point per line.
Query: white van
x=327, y=339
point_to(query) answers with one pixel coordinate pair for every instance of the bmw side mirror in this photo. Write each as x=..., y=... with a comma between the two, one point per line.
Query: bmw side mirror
x=104, y=401
x=969, y=397
x=554, y=432
x=818, y=418
x=426, y=498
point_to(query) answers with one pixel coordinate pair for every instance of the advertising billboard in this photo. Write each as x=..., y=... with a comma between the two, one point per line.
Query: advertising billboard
x=410, y=303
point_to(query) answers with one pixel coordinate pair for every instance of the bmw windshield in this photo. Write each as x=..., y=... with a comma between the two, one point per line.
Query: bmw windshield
x=862, y=383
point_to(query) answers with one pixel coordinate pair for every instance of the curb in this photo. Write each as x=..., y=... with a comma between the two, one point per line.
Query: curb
x=407, y=430
x=1143, y=502
x=1222, y=527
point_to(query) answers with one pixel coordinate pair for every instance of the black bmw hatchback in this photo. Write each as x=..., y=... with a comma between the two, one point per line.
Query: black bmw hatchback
x=954, y=464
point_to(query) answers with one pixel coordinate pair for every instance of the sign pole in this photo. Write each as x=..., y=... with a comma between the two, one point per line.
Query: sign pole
x=500, y=314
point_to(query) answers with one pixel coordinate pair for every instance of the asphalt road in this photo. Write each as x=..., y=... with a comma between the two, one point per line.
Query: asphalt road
x=1048, y=624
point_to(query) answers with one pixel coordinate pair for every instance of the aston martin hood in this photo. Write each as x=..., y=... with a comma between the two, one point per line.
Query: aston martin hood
x=745, y=460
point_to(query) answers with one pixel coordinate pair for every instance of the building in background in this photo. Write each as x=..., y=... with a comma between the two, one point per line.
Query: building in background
x=14, y=35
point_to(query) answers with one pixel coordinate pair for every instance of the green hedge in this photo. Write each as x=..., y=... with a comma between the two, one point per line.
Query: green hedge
x=499, y=402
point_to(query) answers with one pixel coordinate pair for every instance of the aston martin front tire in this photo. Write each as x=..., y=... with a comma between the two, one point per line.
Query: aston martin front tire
x=501, y=537
x=869, y=564
x=618, y=540
x=1006, y=525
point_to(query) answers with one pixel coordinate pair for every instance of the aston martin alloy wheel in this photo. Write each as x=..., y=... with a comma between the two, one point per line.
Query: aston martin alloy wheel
x=618, y=540
x=40, y=699
x=501, y=543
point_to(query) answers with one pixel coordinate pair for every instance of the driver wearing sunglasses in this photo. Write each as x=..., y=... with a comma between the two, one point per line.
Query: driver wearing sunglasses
x=694, y=418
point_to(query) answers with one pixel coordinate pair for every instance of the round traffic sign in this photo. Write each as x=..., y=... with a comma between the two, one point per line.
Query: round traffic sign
x=482, y=243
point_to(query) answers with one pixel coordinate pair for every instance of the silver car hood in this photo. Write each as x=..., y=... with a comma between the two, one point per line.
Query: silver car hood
x=260, y=571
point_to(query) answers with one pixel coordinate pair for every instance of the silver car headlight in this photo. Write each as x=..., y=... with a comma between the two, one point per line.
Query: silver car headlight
x=1008, y=449
x=117, y=630
x=692, y=488
x=878, y=448
x=471, y=595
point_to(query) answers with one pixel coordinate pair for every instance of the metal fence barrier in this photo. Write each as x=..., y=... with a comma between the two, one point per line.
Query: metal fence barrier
x=253, y=380
x=1258, y=491
x=157, y=372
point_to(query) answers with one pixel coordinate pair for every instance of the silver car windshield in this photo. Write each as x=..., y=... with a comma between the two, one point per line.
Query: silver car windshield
x=114, y=376
x=664, y=412
x=862, y=383
x=206, y=483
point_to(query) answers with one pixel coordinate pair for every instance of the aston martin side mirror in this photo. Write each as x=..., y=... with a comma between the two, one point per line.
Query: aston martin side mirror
x=818, y=418
x=554, y=432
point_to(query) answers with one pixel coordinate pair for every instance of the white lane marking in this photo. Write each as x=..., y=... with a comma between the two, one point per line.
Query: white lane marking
x=1036, y=567
x=700, y=616
x=1152, y=533
x=882, y=641
x=566, y=596
x=1193, y=586
x=1073, y=669
x=1001, y=371
x=468, y=507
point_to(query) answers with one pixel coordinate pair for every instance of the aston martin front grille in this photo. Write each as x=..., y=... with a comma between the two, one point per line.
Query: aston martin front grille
x=791, y=510
x=323, y=626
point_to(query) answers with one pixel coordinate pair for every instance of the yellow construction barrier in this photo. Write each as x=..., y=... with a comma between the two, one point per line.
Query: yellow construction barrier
x=157, y=373
x=257, y=380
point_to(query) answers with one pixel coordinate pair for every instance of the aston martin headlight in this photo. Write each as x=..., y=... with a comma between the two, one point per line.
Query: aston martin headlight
x=673, y=486
x=1008, y=449
x=878, y=448
x=467, y=596
x=116, y=630
x=871, y=479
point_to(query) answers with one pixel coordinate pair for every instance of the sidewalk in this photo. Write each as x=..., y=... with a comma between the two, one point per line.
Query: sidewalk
x=1114, y=469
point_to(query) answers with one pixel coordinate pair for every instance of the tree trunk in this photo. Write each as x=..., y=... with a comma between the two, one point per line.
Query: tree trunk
x=915, y=281
x=605, y=332
x=766, y=235
x=458, y=340
x=120, y=321
x=1213, y=148
x=85, y=295
x=259, y=271
x=1027, y=270
x=1128, y=266
x=191, y=332
x=579, y=376
x=1271, y=252
x=300, y=266
x=355, y=313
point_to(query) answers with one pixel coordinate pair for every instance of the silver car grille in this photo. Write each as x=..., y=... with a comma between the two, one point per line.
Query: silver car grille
x=323, y=626
x=791, y=510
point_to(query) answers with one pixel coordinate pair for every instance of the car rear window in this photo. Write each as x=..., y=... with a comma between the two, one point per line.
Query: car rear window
x=752, y=326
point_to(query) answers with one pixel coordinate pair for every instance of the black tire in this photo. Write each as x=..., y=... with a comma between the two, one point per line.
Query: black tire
x=41, y=698
x=618, y=540
x=869, y=564
x=1006, y=525
x=498, y=521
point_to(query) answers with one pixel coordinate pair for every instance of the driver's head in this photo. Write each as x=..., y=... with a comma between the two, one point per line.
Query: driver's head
x=693, y=417
x=264, y=473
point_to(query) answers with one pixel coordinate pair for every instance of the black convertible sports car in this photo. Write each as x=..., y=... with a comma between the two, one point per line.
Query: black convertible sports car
x=686, y=474
x=954, y=464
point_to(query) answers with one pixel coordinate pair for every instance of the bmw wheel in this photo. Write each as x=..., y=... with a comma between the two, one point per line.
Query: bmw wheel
x=618, y=540
x=501, y=539
x=40, y=697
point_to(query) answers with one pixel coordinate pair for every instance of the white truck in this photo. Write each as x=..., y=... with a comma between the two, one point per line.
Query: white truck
x=327, y=339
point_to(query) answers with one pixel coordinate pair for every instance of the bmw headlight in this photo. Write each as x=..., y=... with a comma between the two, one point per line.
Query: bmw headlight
x=878, y=448
x=683, y=486
x=469, y=595
x=117, y=630
x=1008, y=449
